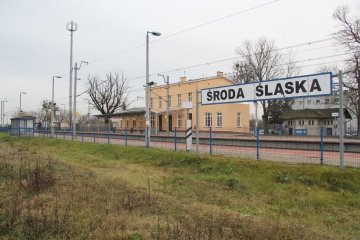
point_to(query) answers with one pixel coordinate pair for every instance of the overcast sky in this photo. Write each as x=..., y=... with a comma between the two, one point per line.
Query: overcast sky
x=35, y=44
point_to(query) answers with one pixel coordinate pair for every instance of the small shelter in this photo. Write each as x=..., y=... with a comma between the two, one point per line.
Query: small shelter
x=22, y=126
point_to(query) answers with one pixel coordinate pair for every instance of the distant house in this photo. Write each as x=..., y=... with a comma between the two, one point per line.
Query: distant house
x=310, y=121
x=326, y=102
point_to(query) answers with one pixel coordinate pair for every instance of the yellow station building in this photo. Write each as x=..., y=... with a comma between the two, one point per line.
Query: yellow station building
x=232, y=117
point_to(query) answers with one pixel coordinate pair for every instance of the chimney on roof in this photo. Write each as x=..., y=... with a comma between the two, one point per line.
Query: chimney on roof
x=219, y=73
x=182, y=79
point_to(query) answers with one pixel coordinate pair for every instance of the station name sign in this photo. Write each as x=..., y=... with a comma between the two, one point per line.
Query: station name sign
x=300, y=86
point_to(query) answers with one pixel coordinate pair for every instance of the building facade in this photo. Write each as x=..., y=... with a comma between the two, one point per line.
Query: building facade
x=181, y=98
x=327, y=102
x=310, y=121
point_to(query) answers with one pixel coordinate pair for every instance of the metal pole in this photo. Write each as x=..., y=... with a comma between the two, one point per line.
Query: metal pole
x=321, y=146
x=74, y=110
x=256, y=117
x=197, y=121
x=2, y=120
x=52, y=108
x=341, y=114
x=175, y=139
x=126, y=134
x=71, y=29
x=257, y=143
x=210, y=141
x=167, y=104
x=147, y=95
x=20, y=104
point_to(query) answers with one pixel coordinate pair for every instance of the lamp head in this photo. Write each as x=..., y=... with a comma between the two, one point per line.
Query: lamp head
x=155, y=33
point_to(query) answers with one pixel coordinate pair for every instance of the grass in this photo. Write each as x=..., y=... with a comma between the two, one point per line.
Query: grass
x=61, y=189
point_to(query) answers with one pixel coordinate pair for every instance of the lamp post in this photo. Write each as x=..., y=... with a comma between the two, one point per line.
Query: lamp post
x=166, y=80
x=72, y=27
x=147, y=91
x=3, y=111
x=53, y=106
x=20, y=102
x=75, y=93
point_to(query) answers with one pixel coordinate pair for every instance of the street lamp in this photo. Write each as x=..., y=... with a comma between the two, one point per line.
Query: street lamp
x=3, y=111
x=75, y=84
x=20, y=102
x=53, y=106
x=147, y=91
x=72, y=27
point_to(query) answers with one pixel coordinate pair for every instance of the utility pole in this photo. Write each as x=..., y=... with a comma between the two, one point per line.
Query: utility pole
x=72, y=27
x=197, y=121
x=20, y=102
x=147, y=91
x=75, y=95
x=341, y=116
x=53, y=106
x=166, y=80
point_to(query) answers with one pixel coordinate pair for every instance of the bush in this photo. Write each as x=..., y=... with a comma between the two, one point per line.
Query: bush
x=205, y=169
x=335, y=180
x=283, y=177
x=38, y=177
x=306, y=180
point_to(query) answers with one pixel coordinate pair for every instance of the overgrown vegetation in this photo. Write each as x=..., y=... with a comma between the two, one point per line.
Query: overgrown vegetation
x=70, y=190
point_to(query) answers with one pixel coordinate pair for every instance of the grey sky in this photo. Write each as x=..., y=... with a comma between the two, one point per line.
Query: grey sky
x=35, y=44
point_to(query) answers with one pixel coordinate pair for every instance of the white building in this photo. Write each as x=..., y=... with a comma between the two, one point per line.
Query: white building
x=325, y=102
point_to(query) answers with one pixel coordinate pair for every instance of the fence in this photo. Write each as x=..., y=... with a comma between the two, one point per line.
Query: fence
x=320, y=149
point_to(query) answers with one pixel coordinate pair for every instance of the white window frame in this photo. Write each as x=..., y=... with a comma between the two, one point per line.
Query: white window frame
x=152, y=121
x=179, y=120
x=208, y=119
x=190, y=96
x=219, y=119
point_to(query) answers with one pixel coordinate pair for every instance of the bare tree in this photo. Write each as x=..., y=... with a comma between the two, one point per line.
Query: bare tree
x=109, y=95
x=349, y=36
x=349, y=29
x=261, y=62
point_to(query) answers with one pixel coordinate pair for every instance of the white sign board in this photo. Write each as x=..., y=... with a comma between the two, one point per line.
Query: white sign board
x=300, y=86
x=187, y=105
x=335, y=114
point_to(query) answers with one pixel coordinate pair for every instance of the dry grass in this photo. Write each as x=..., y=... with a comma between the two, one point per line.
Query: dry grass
x=63, y=190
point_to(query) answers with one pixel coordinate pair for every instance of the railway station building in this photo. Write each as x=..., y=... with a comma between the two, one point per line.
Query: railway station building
x=181, y=97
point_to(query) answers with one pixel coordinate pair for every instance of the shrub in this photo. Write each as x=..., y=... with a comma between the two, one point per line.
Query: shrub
x=283, y=177
x=38, y=177
x=306, y=180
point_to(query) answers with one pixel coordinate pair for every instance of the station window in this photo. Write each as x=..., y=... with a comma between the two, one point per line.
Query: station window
x=179, y=120
x=160, y=102
x=190, y=96
x=208, y=119
x=219, y=119
x=179, y=100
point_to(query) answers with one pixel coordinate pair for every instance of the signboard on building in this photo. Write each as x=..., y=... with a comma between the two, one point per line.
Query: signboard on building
x=299, y=86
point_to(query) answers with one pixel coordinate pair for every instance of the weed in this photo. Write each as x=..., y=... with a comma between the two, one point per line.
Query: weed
x=306, y=180
x=205, y=169
x=37, y=177
x=283, y=177
x=338, y=180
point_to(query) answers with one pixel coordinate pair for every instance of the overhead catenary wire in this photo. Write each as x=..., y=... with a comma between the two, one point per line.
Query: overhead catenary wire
x=187, y=30
x=224, y=60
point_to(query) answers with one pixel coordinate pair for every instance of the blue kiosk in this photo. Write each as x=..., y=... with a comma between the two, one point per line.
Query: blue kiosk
x=22, y=126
